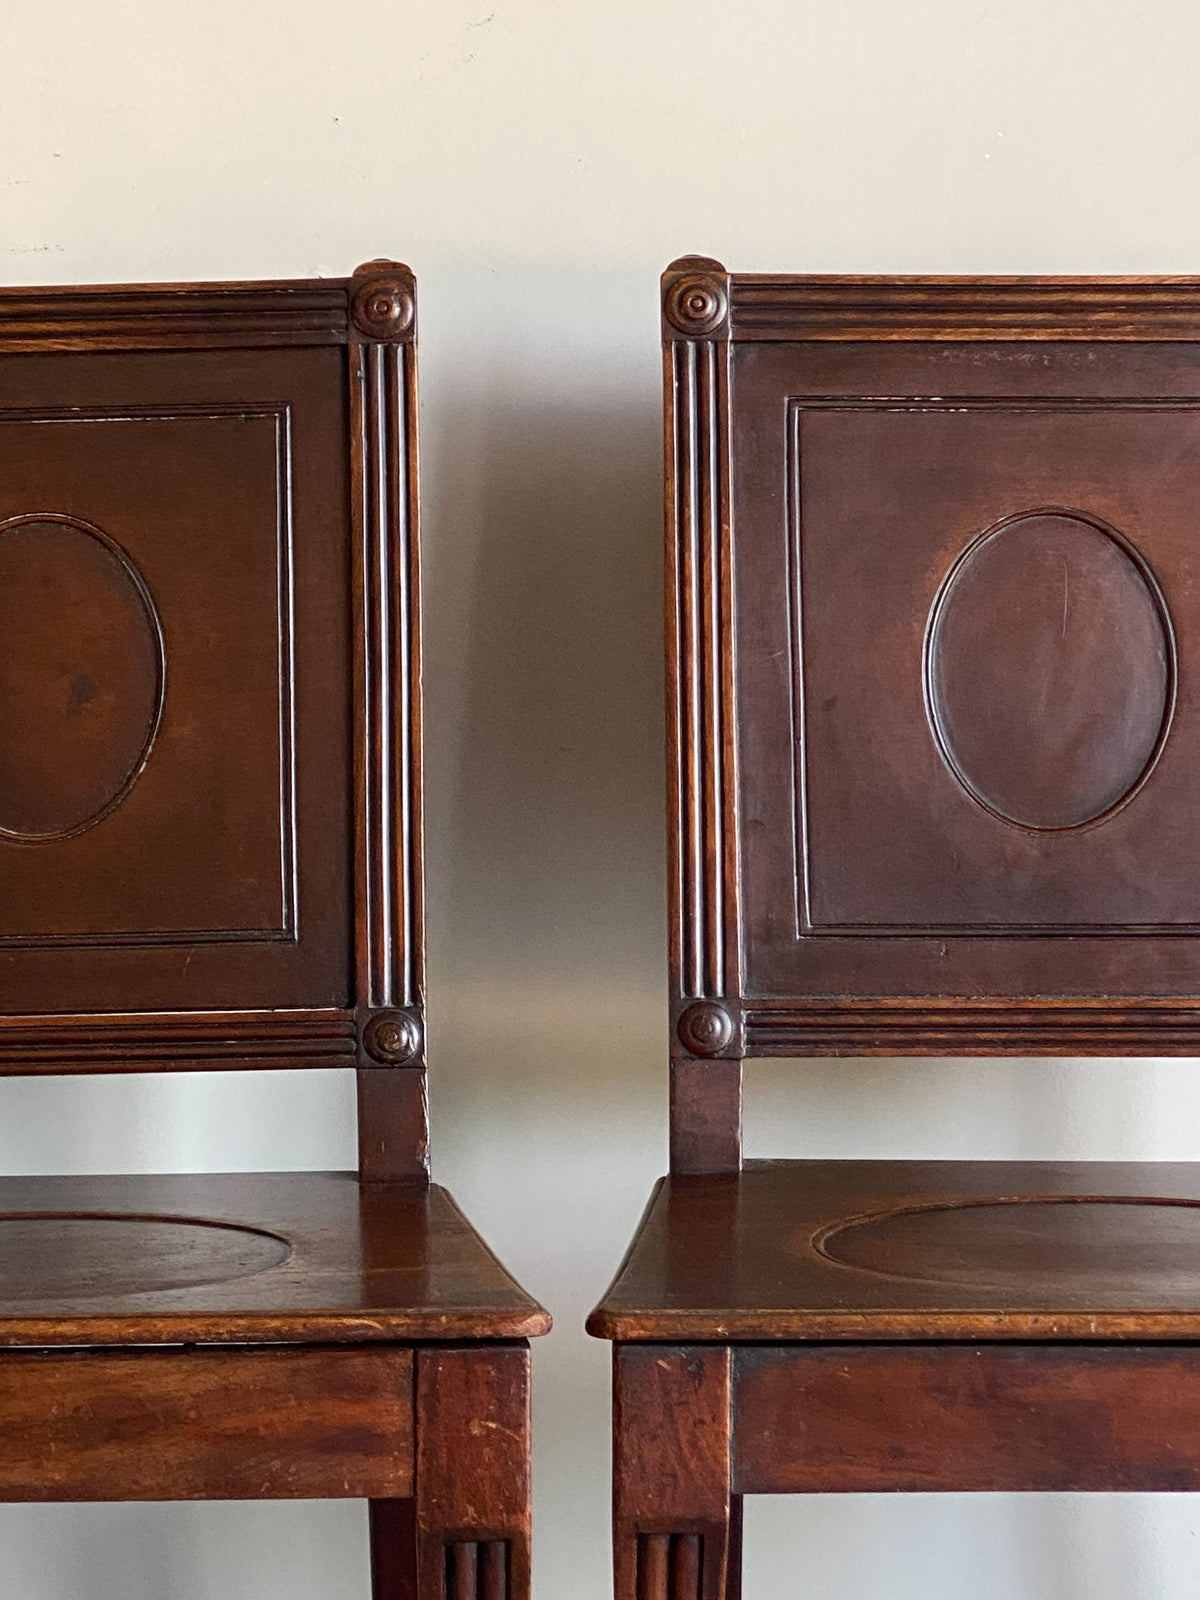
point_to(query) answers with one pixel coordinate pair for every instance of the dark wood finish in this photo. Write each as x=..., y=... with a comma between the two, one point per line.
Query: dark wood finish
x=1065, y=873
x=1056, y=309
x=174, y=316
x=703, y=876
x=215, y=508
x=393, y=1123
x=1047, y=909
x=473, y=1511
x=706, y=1115
x=980, y=1417
x=464, y=1535
x=843, y=671
x=671, y=1472
x=933, y=726
x=393, y=1535
x=211, y=845
x=811, y=719
x=937, y=1026
x=176, y=1041
x=922, y=1250
x=246, y=1258
x=389, y=938
x=277, y=1424
x=240, y=461
x=389, y=922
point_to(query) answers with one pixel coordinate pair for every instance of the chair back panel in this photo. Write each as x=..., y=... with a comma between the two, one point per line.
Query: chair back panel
x=934, y=604
x=209, y=676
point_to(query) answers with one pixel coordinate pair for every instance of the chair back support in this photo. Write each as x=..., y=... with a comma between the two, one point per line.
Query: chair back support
x=933, y=615
x=210, y=791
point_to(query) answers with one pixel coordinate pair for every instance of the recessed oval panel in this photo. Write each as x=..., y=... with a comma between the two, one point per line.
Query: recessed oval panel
x=81, y=676
x=71, y=1256
x=1033, y=1246
x=1050, y=670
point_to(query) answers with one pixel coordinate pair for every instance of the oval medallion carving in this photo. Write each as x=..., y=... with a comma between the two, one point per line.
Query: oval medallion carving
x=1050, y=670
x=82, y=674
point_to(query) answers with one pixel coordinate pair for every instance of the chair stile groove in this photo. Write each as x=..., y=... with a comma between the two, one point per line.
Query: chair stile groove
x=701, y=770
x=392, y=1098
x=390, y=954
x=701, y=774
x=477, y=1570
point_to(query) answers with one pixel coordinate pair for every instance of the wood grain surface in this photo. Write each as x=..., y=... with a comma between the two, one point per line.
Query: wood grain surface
x=473, y=1513
x=246, y=1257
x=791, y=1250
x=671, y=1472
x=967, y=1417
x=205, y=1424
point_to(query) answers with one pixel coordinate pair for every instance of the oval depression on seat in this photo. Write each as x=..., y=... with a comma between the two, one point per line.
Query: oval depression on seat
x=81, y=676
x=56, y=1257
x=1049, y=670
x=1030, y=1245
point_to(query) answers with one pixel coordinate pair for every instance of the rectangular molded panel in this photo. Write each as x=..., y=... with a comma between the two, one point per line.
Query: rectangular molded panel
x=175, y=560
x=966, y=622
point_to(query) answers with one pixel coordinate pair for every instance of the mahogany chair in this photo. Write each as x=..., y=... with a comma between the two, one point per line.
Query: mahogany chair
x=210, y=851
x=934, y=685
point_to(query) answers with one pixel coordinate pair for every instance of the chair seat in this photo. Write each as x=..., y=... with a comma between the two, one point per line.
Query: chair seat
x=854, y=1250
x=246, y=1258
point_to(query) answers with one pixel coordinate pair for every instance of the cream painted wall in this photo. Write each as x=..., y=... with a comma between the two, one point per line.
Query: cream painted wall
x=538, y=163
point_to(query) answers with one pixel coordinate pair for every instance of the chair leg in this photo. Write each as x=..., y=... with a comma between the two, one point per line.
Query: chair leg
x=471, y=1510
x=393, y=1525
x=676, y=1525
x=733, y=1565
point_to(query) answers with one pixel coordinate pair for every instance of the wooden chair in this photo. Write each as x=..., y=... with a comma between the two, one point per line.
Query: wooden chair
x=934, y=626
x=210, y=851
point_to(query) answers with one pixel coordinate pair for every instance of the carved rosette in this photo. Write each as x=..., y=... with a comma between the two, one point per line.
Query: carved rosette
x=393, y=1038
x=383, y=300
x=696, y=298
x=706, y=1028
x=696, y=305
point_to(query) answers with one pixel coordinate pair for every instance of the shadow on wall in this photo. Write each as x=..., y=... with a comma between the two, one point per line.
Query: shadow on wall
x=544, y=686
x=976, y=1109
